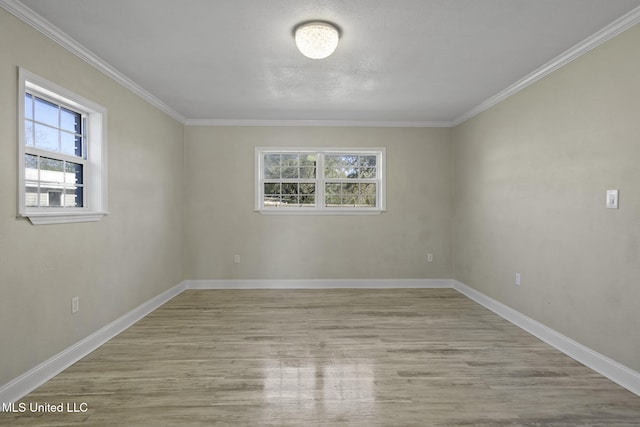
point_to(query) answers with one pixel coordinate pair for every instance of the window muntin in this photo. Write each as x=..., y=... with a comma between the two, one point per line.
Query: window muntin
x=320, y=180
x=62, y=165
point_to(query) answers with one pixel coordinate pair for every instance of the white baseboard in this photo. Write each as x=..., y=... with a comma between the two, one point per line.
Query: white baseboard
x=320, y=284
x=35, y=377
x=603, y=365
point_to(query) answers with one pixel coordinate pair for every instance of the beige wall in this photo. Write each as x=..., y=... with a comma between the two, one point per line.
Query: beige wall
x=114, y=265
x=530, y=182
x=222, y=222
x=528, y=179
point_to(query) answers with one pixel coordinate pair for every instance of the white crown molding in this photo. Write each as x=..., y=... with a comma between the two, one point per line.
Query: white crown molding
x=603, y=365
x=319, y=123
x=616, y=27
x=30, y=17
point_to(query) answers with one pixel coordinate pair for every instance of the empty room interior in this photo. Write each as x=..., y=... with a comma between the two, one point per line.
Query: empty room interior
x=320, y=212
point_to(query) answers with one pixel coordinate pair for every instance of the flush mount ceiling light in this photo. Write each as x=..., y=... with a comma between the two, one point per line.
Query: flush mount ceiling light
x=317, y=39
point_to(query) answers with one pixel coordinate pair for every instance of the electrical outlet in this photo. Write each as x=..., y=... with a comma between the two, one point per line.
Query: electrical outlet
x=429, y=257
x=236, y=259
x=75, y=304
x=518, y=279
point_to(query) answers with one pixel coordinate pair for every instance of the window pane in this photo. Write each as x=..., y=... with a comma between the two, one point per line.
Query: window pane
x=307, y=201
x=332, y=166
x=331, y=160
x=341, y=160
x=73, y=197
x=28, y=132
x=349, y=200
x=341, y=173
x=350, y=188
x=368, y=201
x=46, y=138
x=350, y=160
x=290, y=160
x=331, y=173
x=367, y=173
x=290, y=173
x=272, y=188
x=368, y=189
x=272, y=166
x=71, y=144
x=308, y=173
x=272, y=172
x=73, y=173
x=289, y=201
x=46, y=112
x=289, y=188
x=51, y=170
x=272, y=160
x=28, y=106
x=31, y=194
x=51, y=195
x=367, y=161
x=332, y=201
x=31, y=167
x=332, y=188
x=70, y=121
x=68, y=143
x=308, y=160
x=353, y=173
x=307, y=188
x=272, y=200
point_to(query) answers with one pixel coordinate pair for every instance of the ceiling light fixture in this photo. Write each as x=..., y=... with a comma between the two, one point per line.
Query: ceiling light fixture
x=317, y=40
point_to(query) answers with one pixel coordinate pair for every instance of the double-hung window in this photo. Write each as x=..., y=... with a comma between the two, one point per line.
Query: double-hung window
x=62, y=154
x=320, y=180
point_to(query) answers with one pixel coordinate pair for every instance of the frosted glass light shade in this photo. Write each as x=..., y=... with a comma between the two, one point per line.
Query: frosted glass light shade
x=317, y=40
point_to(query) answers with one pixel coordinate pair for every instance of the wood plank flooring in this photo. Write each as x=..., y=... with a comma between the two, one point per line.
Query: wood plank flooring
x=341, y=357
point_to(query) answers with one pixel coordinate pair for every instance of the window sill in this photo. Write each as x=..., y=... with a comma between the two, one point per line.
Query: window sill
x=45, y=218
x=293, y=211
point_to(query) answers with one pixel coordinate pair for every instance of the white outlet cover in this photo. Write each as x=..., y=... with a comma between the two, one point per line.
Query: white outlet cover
x=612, y=199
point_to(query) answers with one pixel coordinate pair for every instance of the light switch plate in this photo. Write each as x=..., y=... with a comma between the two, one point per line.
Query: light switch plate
x=612, y=199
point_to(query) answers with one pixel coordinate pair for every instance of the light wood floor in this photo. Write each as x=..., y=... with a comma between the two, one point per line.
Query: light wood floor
x=410, y=357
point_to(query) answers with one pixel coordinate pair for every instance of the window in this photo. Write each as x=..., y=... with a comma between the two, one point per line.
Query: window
x=320, y=180
x=62, y=154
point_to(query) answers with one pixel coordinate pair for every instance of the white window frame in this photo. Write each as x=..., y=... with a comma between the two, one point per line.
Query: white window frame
x=320, y=209
x=94, y=166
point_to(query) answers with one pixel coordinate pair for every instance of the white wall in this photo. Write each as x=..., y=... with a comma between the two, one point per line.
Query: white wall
x=113, y=265
x=530, y=182
x=221, y=220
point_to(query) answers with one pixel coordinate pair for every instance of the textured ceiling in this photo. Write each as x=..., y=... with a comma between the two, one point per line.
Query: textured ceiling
x=397, y=61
